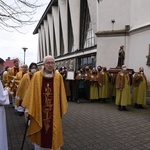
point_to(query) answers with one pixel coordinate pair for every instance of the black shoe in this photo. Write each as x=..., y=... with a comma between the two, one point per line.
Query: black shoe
x=136, y=105
x=103, y=100
x=119, y=108
x=113, y=98
x=141, y=107
x=124, y=108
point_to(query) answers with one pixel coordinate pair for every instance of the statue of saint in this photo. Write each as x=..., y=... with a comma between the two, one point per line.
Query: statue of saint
x=148, y=57
x=121, y=57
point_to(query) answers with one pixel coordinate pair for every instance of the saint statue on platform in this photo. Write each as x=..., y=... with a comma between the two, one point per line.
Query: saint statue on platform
x=121, y=57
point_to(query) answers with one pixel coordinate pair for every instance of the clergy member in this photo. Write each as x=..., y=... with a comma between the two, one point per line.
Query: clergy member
x=3, y=126
x=11, y=77
x=24, y=84
x=123, y=97
x=48, y=103
x=93, y=85
x=140, y=87
x=17, y=80
x=103, y=80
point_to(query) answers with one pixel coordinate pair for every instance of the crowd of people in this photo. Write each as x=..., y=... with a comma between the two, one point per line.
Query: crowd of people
x=123, y=86
x=42, y=94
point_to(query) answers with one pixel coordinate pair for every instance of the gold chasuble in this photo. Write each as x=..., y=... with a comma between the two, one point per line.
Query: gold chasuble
x=19, y=76
x=47, y=103
x=16, y=70
x=12, y=75
x=13, y=71
x=24, y=84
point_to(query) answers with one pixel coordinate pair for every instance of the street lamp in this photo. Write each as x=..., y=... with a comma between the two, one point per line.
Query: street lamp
x=24, y=49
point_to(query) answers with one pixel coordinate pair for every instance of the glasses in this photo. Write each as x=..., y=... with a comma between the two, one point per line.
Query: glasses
x=50, y=63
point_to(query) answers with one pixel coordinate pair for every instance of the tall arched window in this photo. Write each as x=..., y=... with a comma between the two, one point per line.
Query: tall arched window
x=86, y=32
x=70, y=33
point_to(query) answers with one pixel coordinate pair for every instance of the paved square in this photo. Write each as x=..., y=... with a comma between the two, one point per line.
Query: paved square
x=92, y=126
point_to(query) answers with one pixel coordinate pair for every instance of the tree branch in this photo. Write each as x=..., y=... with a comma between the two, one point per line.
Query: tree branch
x=17, y=14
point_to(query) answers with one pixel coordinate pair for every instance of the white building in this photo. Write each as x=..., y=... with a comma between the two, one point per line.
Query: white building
x=90, y=32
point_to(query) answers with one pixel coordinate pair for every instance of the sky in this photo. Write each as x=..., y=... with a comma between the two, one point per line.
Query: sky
x=12, y=42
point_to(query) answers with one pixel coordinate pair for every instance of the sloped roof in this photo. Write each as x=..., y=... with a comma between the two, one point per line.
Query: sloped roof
x=44, y=16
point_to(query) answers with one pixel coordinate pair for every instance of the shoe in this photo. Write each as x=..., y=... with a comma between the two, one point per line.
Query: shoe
x=136, y=105
x=124, y=108
x=119, y=108
x=141, y=107
x=20, y=109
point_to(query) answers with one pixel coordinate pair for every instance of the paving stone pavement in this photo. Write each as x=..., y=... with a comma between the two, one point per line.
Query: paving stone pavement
x=92, y=126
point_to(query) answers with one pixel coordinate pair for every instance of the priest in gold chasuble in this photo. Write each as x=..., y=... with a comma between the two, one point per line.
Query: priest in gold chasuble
x=47, y=103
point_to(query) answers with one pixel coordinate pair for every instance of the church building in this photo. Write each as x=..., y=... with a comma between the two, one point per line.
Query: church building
x=90, y=32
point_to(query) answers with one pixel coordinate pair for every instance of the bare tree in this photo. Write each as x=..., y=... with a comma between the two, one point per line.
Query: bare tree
x=15, y=14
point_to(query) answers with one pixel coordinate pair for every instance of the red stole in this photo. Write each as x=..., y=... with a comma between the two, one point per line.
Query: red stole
x=47, y=112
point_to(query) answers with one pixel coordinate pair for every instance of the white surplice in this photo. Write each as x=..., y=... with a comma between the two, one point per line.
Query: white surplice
x=3, y=130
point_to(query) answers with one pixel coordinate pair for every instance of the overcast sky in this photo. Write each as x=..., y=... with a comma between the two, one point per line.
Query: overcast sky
x=12, y=42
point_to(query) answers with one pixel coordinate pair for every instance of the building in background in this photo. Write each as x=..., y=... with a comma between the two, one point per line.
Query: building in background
x=90, y=32
x=9, y=62
x=66, y=31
